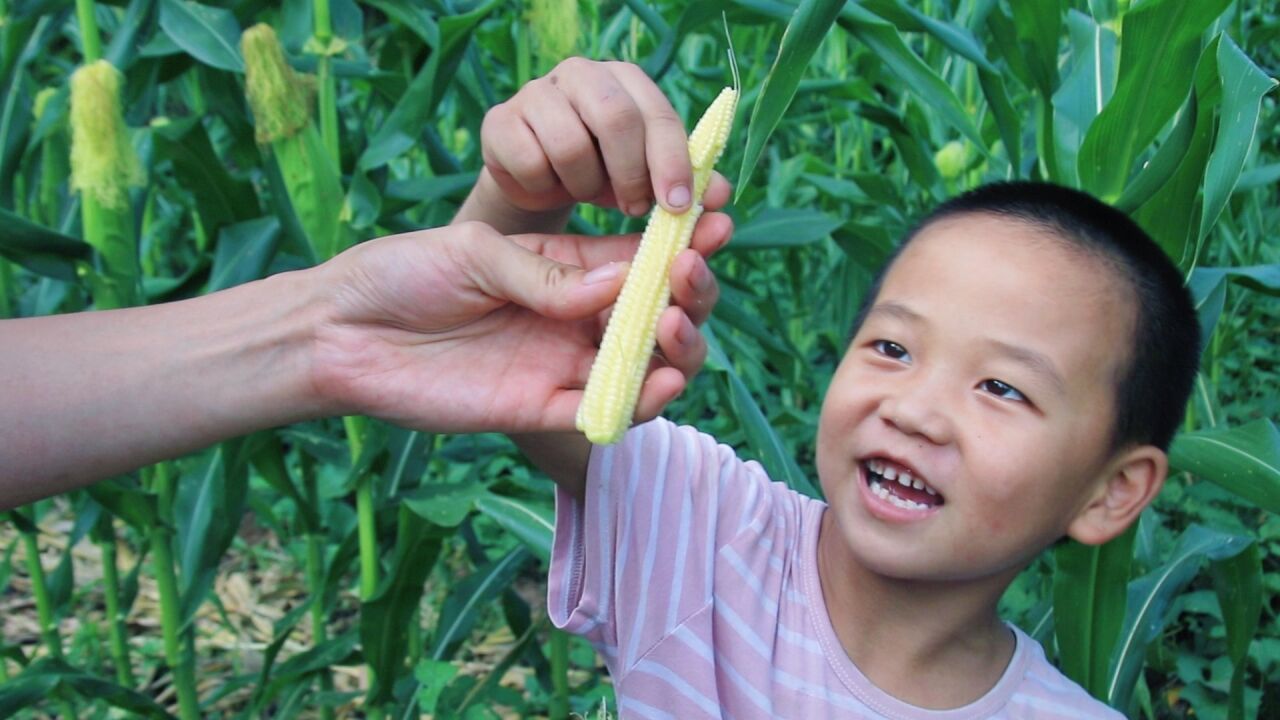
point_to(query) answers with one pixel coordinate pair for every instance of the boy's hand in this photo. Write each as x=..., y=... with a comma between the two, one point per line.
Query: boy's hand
x=462, y=329
x=595, y=132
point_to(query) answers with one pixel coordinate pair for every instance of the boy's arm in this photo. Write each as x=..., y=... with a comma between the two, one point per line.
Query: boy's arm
x=603, y=133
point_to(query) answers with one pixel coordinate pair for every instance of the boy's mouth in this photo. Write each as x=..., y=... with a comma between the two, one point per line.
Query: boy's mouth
x=900, y=486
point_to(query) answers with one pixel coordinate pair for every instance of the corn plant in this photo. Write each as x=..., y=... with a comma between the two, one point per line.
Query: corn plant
x=409, y=568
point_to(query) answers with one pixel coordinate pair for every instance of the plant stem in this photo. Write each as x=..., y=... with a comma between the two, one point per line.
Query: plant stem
x=327, y=93
x=315, y=577
x=115, y=619
x=167, y=583
x=366, y=524
x=44, y=607
x=90, y=41
x=558, y=707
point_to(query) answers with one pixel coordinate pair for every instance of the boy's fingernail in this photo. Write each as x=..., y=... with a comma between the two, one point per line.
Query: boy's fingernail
x=638, y=209
x=604, y=273
x=678, y=196
x=700, y=278
x=686, y=333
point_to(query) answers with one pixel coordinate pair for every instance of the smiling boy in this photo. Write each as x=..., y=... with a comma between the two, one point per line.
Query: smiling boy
x=1015, y=377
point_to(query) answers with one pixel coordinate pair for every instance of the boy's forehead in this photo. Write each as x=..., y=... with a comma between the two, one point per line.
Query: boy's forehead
x=1000, y=248
x=1015, y=283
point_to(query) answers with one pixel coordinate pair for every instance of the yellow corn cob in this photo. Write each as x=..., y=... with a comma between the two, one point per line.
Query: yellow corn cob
x=613, y=387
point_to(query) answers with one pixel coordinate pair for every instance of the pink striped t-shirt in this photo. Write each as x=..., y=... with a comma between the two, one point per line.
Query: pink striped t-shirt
x=696, y=579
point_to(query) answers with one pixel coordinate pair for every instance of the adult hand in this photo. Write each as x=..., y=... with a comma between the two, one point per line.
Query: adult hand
x=462, y=329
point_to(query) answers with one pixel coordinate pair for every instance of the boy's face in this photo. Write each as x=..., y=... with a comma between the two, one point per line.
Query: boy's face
x=986, y=369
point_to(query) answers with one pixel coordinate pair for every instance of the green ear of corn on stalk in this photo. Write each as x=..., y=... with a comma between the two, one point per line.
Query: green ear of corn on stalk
x=104, y=166
x=281, y=101
x=617, y=375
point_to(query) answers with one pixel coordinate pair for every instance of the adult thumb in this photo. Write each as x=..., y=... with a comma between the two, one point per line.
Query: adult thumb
x=549, y=288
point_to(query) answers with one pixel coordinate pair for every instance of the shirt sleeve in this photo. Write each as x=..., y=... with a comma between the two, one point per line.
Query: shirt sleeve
x=635, y=559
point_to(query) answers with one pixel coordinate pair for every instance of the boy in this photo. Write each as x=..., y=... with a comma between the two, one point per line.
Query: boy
x=1015, y=377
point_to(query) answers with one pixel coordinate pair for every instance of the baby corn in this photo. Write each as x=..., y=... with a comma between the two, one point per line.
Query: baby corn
x=619, y=369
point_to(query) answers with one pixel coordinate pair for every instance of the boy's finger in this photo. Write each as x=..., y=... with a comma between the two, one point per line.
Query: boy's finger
x=617, y=124
x=680, y=342
x=693, y=287
x=511, y=151
x=567, y=143
x=711, y=233
x=718, y=192
x=659, y=389
x=666, y=142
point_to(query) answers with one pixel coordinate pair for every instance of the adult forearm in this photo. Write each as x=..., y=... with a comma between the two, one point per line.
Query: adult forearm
x=90, y=395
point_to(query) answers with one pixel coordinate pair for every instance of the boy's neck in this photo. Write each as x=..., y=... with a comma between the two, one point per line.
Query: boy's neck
x=931, y=644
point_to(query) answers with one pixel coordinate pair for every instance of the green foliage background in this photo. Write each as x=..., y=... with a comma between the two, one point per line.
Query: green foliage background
x=862, y=115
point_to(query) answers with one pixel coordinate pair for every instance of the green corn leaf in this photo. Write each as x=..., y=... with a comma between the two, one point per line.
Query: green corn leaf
x=210, y=503
x=1243, y=86
x=209, y=34
x=811, y=20
x=267, y=457
x=40, y=249
x=694, y=15
x=1238, y=583
x=407, y=455
x=1088, y=84
x=221, y=199
x=244, y=252
x=125, y=43
x=1262, y=278
x=1171, y=215
x=907, y=18
x=25, y=691
x=340, y=650
x=402, y=126
x=1039, y=29
x=1244, y=460
x=1260, y=177
x=445, y=504
x=1163, y=164
x=126, y=500
x=385, y=618
x=533, y=523
x=783, y=227
x=1149, y=598
x=1161, y=42
x=886, y=43
x=776, y=458
x=1089, y=606
x=469, y=596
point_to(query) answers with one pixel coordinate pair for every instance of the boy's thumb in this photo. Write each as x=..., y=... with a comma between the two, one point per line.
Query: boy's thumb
x=547, y=287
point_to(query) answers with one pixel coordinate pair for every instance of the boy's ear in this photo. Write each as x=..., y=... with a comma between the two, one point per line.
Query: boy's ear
x=1126, y=487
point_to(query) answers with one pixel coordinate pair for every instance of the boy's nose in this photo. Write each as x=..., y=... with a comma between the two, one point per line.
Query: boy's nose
x=918, y=409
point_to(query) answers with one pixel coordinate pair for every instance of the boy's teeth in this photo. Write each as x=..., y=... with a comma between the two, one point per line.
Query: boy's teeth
x=889, y=473
x=904, y=479
x=915, y=483
x=930, y=490
x=883, y=493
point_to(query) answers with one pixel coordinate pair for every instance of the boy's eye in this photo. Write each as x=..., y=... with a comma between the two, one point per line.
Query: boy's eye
x=891, y=349
x=1003, y=390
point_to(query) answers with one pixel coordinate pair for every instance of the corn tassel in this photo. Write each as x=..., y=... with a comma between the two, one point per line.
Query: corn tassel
x=617, y=375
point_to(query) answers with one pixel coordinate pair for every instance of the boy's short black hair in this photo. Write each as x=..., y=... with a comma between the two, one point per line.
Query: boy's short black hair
x=1152, y=391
